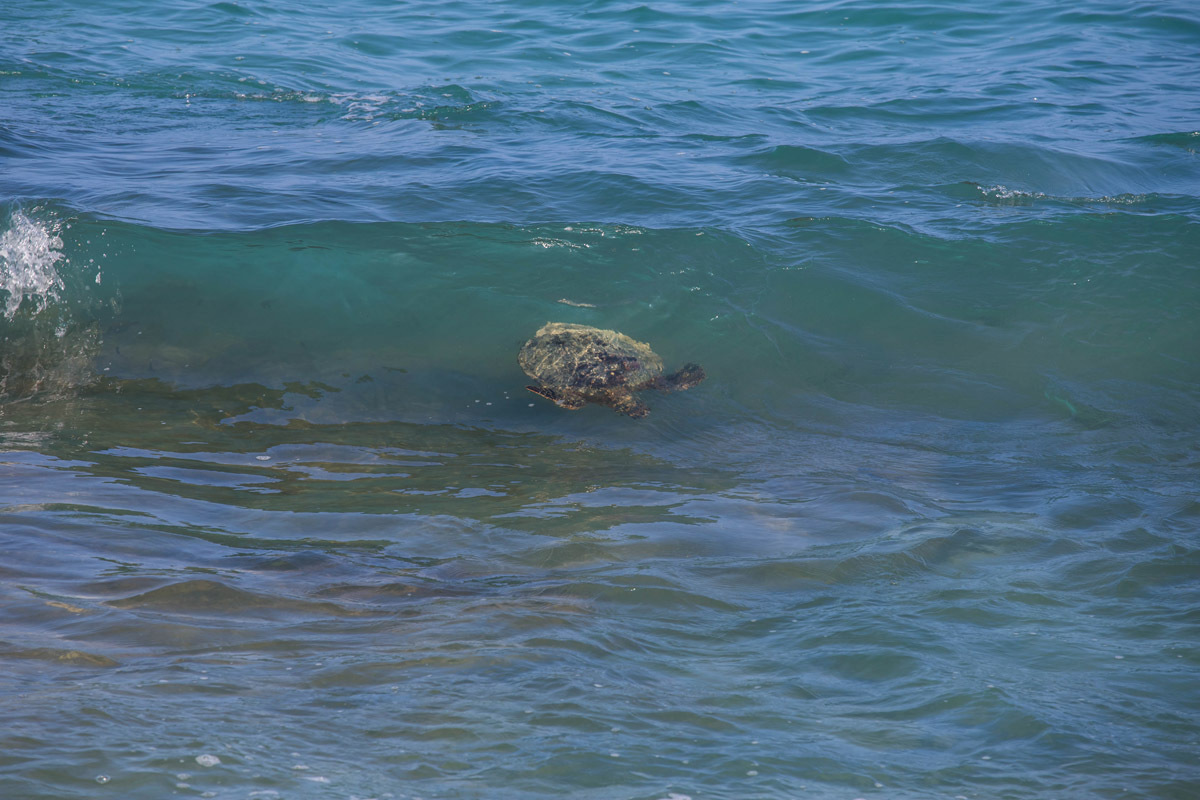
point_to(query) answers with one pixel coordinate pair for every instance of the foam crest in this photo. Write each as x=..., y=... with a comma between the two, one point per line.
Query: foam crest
x=29, y=254
x=1003, y=195
x=48, y=326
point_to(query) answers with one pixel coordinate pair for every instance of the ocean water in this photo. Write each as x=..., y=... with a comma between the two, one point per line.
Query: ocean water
x=278, y=518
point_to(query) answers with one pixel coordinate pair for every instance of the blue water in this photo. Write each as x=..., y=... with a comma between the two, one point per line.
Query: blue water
x=278, y=518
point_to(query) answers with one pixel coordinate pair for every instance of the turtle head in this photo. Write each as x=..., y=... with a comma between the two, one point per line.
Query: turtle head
x=687, y=377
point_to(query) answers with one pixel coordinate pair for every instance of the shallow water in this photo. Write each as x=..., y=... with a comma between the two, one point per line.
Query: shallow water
x=278, y=518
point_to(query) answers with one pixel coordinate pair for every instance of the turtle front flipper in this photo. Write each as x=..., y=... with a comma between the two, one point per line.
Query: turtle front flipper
x=627, y=403
x=564, y=399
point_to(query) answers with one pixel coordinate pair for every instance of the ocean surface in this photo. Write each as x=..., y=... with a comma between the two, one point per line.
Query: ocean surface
x=278, y=518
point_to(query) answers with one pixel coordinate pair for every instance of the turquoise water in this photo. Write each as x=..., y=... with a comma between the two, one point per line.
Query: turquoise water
x=278, y=518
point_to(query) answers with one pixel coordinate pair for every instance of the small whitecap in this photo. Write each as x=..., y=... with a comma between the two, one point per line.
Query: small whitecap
x=28, y=255
x=206, y=760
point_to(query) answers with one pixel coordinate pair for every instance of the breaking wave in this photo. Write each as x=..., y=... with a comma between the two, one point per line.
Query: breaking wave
x=47, y=340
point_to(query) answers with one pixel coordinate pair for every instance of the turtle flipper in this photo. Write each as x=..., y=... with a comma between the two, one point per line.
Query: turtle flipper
x=628, y=404
x=687, y=377
x=563, y=399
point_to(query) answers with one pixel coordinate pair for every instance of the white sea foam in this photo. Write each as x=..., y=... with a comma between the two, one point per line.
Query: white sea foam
x=1005, y=195
x=360, y=106
x=29, y=253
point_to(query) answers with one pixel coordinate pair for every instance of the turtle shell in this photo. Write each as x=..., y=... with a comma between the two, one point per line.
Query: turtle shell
x=566, y=356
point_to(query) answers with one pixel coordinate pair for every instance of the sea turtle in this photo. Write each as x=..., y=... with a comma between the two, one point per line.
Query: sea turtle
x=575, y=365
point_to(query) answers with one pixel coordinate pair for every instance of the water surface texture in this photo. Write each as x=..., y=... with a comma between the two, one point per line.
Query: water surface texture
x=278, y=518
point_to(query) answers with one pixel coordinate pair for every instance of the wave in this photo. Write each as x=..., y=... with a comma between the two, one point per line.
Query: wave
x=48, y=339
x=421, y=323
x=1028, y=168
x=1187, y=140
x=1000, y=195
